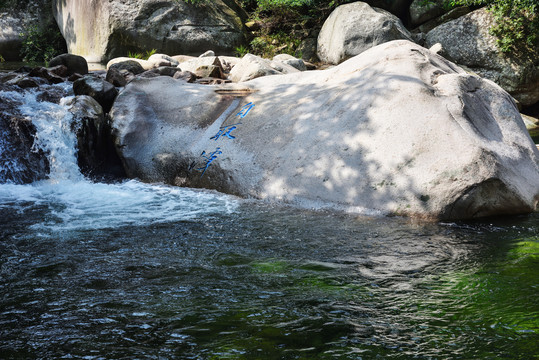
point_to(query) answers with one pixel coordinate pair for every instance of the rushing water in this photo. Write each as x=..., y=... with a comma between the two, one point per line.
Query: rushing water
x=135, y=271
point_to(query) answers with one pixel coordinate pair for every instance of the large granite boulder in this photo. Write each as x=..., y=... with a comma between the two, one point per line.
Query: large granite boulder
x=467, y=42
x=397, y=129
x=100, y=30
x=353, y=28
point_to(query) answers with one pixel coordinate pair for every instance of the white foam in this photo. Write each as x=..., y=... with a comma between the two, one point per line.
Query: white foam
x=83, y=205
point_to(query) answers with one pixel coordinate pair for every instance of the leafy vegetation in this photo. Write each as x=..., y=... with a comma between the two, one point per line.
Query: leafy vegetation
x=517, y=23
x=42, y=43
x=144, y=56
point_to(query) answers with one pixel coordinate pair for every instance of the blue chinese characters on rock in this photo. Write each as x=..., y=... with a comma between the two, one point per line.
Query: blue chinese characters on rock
x=223, y=134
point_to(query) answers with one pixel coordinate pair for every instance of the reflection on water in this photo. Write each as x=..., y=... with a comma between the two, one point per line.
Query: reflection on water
x=130, y=270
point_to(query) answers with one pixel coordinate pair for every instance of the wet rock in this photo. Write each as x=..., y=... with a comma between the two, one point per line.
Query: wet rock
x=73, y=63
x=354, y=28
x=149, y=74
x=20, y=161
x=115, y=77
x=59, y=70
x=131, y=65
x=327, y=138
x=95, y=153
x=166, y=70
x=53, y=95
x=102, y=91
x=44, y=73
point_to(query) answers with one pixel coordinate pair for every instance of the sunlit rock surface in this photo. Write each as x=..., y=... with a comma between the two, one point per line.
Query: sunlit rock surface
x=395, y=130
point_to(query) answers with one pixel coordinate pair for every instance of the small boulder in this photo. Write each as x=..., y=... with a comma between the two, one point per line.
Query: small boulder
x=115, y=77
x=209, y=71
x=102, y=91
x=132, y=65
x=166, y=70
x=186, y=76
x=162, y=58
x=205, y=64
x=73, y=63
x=44, y=73
x=252, y=66
x=290, y=60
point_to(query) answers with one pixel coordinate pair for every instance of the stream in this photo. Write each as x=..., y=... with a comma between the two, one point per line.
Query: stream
x=127, y=270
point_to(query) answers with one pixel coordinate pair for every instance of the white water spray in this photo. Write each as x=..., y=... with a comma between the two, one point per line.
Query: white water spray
x=77, y=203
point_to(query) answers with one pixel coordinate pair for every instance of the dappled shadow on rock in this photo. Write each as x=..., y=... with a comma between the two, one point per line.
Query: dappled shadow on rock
x=396, y=130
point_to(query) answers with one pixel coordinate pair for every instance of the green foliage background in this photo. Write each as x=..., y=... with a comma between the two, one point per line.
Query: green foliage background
x=517, y=24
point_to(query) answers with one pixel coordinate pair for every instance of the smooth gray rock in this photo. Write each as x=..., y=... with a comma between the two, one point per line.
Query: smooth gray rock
x=290, y=60
x=467, y=42
x=354, y=28
x=73, y=63
x=102, y=91
x=133, y=66
x=203, y=66
x=251, y=67
x=395, y=130
x=100, y=30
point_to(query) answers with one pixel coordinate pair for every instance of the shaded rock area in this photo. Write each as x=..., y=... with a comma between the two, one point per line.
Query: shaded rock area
x=347, y=138
x=95, y=154
x=101, y=90
x=20, y=161
x=74, y=64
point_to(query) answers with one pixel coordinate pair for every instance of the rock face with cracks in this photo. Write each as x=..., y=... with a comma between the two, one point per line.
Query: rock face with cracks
x=395, y=130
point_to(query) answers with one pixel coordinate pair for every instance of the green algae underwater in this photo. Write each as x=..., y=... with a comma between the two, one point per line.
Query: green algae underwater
x=223, y=278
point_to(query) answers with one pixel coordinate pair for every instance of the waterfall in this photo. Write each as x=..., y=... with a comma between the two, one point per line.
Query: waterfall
x=77, y=203
x=55, y=135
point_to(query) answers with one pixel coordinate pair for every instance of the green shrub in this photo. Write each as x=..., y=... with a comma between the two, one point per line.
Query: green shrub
x=142, y=56
x=41, y=43
x=517, y=24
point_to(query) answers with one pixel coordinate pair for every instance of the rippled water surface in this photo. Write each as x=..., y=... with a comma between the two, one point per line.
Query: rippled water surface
x=135, y=271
